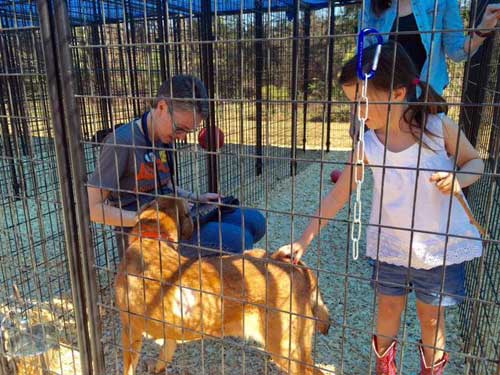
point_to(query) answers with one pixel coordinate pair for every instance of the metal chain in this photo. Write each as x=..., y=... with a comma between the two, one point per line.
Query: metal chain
x=358, y=157
x=358, y=162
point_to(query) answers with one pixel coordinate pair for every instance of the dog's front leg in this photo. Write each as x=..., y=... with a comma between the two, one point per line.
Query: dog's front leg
x=166, y=355
x=132, y=344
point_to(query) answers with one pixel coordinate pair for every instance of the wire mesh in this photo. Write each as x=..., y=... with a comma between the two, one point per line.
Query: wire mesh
x=34, y=277
x=270, y=67
x=481, y=125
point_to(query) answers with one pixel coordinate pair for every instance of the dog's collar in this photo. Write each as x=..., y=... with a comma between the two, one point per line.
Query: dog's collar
x=155, y=236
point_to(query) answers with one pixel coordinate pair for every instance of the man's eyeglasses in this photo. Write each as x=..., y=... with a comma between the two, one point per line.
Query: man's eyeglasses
x=182, y=130
x=179, y=129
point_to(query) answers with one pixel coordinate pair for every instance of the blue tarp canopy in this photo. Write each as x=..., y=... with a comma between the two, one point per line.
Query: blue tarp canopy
x=22, y=13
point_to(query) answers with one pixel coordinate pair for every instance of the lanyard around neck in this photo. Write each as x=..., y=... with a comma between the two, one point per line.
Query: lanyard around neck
x=144, y=124
x=150, y=154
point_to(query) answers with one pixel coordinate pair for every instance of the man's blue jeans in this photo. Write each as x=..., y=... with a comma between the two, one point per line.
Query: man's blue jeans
x=237, y=231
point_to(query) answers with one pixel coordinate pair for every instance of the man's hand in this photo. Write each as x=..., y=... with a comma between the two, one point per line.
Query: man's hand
x=207, y=197
x=293, y=251
x=444, y=182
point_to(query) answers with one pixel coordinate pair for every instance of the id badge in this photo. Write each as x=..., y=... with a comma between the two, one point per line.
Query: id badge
x=163, y=156
x=149, y=157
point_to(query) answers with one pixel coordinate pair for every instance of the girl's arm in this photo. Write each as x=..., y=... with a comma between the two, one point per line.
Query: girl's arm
x=468, y=160
x=329, y=207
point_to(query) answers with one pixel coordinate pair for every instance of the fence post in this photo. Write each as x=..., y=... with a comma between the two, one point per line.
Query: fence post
x=259, y=71
x=56, y=36
x=305, y=86
x=162, y=31
x=295, y=74
x=207, y=58
x=129, y=29
x=476, y=78
x=331, y=46
x=7, y=141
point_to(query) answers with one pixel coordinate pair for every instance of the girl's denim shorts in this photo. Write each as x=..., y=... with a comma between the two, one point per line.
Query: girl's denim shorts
x=428, y=285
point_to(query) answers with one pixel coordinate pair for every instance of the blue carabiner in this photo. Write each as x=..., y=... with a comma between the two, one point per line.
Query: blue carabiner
x=369, y=30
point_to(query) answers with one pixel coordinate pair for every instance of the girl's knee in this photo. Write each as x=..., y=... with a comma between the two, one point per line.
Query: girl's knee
x=430, y=316
x=391, y=305
x=390, y=311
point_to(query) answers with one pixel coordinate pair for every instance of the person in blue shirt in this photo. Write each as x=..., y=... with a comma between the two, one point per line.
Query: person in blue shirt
x=415, y=22
x=130, y=173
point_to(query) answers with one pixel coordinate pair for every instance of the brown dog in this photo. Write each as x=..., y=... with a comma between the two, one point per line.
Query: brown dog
x=248, y=295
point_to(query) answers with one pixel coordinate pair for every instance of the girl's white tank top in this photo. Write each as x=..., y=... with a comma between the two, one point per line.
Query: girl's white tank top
x=415, y=225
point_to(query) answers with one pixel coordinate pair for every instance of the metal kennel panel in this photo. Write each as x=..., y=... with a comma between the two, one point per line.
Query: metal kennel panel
x=43, y=312
x=480, y=318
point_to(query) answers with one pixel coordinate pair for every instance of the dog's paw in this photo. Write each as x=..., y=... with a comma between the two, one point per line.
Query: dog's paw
x=156, y=367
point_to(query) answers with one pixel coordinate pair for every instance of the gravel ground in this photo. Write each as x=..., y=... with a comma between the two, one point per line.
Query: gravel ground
x=346, y=350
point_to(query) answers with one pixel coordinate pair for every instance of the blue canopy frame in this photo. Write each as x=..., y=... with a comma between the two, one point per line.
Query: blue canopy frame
x=23, y=13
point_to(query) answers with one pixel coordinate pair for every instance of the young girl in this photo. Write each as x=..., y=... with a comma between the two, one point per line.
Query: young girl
x=419, y=237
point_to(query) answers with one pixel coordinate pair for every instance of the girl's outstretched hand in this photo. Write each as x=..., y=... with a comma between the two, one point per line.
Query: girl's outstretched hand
x=444, y=182
x=294, y=251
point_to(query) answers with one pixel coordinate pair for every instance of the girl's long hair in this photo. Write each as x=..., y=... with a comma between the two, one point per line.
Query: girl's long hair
x=394, y=61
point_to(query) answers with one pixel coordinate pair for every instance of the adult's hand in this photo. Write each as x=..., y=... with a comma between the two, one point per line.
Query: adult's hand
x=488, y=22
x=490, y=17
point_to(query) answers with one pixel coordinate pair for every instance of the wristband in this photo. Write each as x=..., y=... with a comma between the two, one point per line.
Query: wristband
x=483, y=35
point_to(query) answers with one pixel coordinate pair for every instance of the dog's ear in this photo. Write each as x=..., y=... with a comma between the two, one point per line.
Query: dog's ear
x=166, y=209
x=143, y=210
x=167, y=203
x=186, y=226
x=161, y=203
x=162, y=210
